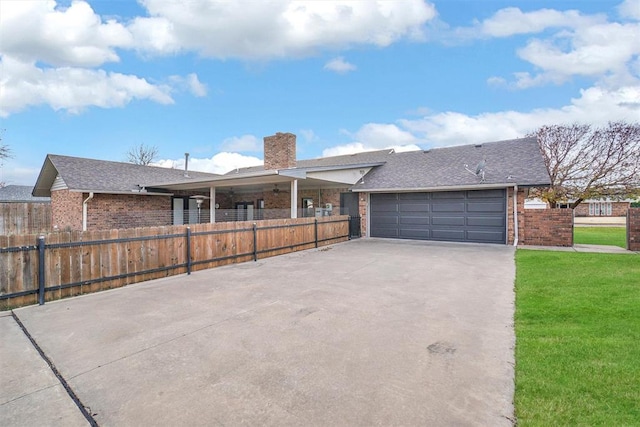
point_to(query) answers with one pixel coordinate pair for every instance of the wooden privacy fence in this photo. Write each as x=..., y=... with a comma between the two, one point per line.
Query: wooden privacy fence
x=24, y=217
x=37, y=268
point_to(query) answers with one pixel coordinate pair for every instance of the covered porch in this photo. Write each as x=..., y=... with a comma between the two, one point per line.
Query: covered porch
x=275, y=194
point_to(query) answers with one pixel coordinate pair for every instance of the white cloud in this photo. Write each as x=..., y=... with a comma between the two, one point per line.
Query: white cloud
x=593, y=51
x=376, y=136
x=220, y=163
x=380, y=135
x=308, y=135
x=23, y=85
x=275, y=29
x=570, y=44
x=242, y=143
x=40, y=31
x=190, y=83
x=339, y=65
x=511, y=21
x=630, y=9
x=596, y=105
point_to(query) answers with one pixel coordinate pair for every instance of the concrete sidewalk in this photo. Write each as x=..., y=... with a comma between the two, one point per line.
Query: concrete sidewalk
x=369, y=332
x=604, y=249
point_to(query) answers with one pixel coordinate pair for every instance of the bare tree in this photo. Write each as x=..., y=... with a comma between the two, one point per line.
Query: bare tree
x=5, y=153
x=142, y=154
x=586, y=162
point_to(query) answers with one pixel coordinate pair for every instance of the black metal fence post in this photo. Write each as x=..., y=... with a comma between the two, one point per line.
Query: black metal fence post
x=315, y=228
x=188, y=250
x=40, y=270
x=255, y=242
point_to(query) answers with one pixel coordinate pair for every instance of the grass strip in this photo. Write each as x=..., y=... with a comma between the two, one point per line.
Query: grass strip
x=611, y=236
x=578, y=339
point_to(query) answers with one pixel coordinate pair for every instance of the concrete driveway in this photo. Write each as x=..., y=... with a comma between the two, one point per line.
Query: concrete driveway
x=369, y=332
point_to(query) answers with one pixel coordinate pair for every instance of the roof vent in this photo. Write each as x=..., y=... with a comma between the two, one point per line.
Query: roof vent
x=478, y=145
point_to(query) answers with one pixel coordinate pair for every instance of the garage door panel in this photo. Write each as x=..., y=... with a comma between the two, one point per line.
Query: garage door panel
x=463, y=216
x=383, y=221
x=413, y=207
x=447, y=195
x=485, y=207
x=448, y=207
x=485, y=221
x=485, y=194
x=484, y=236
x=385, y=232
x=448, y=220
x=409, y=233
x=384, y=208
x=456, y=235
x=413, y=196
x=413, y=220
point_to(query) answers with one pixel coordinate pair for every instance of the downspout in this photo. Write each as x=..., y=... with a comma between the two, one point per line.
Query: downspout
x=85, y=210
x=515, y=215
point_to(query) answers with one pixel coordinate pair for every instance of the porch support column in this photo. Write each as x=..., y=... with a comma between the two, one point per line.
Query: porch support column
x=294, y=198
x=212, y=204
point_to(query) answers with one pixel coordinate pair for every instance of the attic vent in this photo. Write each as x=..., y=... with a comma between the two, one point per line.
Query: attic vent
x=478, y=145
x=426, y=151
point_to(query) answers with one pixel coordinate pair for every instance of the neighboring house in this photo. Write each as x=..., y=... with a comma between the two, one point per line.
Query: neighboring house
x=589, y=207
x=434, y=194
x=21, y=212
x=603, y=207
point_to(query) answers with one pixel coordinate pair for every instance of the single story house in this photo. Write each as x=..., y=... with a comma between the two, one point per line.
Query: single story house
x=603, y=207
x=469, y=193
x=590, y=207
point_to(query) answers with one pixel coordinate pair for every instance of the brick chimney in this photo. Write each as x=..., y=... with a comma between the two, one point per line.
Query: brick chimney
x=280, y=151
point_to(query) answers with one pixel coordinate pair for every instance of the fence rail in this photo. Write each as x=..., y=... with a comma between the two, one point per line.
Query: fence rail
x=35, y=269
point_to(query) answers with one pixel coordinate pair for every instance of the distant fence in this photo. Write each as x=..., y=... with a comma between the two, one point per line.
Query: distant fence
x=24, y=217
x=35, y=269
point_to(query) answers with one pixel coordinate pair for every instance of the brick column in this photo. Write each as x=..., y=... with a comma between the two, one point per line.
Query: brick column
x=633, y=229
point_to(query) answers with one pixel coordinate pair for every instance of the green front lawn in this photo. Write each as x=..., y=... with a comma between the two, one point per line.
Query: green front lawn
x=612, y=236
x=577, y=339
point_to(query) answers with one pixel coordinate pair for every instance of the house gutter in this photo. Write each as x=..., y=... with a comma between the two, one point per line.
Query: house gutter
x=85, y=211
x=515, y=215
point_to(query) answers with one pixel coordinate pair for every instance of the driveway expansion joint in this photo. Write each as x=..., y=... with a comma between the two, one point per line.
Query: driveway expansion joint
x=57, y=373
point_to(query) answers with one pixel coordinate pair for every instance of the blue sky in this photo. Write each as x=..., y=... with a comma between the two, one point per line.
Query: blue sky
x=212, y=78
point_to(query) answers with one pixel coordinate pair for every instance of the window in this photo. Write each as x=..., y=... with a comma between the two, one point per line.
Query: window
x=600, y=209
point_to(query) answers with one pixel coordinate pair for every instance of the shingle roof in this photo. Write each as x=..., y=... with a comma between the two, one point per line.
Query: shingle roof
x=344, y=160
x=20, y=193
x=104, y=176
x=513, y=161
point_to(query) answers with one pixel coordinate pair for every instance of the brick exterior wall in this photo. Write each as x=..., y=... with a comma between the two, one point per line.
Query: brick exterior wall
x=633, y=229
x=617, y=209
x=547, y=227
x=280, y=151
x=363, y=201
x=109, y=211
x=66, y=210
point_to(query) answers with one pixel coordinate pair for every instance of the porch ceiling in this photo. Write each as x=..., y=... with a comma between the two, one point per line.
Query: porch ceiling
x=251, y=183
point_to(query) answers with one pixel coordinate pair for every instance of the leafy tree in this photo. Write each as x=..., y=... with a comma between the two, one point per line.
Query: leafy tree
x=142, y=154
x=587, y=162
